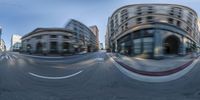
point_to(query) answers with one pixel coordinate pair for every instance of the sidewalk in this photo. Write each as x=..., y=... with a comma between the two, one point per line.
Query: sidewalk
x=53, y=56
x=152, y=67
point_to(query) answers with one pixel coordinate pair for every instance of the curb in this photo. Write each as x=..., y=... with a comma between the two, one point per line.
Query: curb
x=147, y=73
x=52, y=58
x=152, y=78
x=162, y=73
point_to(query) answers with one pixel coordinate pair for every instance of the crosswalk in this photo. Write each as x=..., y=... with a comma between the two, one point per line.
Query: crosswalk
x=8, y=57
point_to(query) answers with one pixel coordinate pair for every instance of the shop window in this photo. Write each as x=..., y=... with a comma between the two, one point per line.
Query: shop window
x=148, y=32
x=148, y=45
x=137, y=46
x=122, y=48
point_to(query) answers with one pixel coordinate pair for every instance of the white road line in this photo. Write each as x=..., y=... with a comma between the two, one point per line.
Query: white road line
x=15, y=56
x=11, y=58
x=6, y=56
x=2, y=57
x=99, y=59
x=55, y=78
x=39, y=56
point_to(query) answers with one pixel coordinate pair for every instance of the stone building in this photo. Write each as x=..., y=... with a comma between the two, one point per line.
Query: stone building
x=153, y=30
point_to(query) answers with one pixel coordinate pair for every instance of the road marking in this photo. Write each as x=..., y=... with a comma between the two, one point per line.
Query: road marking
x=99, y=59
x=55, y=78
x=9, y=58
x=15, y=56
x=6, y=57
x=2, y=57
x=40, y=56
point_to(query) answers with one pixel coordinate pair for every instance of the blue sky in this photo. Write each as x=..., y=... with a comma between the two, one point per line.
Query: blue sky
x=23, y=16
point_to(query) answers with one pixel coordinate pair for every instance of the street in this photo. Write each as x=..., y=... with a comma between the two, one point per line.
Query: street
x=91, y=76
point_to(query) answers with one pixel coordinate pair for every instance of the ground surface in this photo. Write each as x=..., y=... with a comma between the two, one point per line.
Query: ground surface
x=99, y=80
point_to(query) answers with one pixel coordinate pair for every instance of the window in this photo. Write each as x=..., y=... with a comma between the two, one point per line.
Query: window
x=148, y=32
x=66, y=37
x=150, y=12
x=149, y=18
x=38, y=37
x=137, y=46
x=148, y=45
x=116, y=17
x=124, y=11
x=53, y=36
x=176, y=11
x=170, y=20
x=189, y=30
x=139, y=13
x=53, y=47
x=190, y=14
x=122, y=28
x=139, y=20
x=122, y=48
x=179, y=16
x=139, y=10
x=126, y=26
x=150, y=8
x=189, y=22
x=172, y=14
x=178, y=23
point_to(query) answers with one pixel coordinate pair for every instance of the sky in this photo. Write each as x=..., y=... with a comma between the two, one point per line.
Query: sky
x=23, y=16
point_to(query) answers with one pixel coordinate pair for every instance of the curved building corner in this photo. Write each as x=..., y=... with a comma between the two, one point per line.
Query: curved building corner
x=74, y=38
x=153, y=30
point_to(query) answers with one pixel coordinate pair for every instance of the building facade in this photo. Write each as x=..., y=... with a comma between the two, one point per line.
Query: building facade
x=49, y=41
x=2, y=45
x=101, y=46
x=0, y=32
x=153, y=30
x=15, y=42
x=108, y=37
x=198, y=50
x=95, y=30
x=75, y=37
x=84, y=36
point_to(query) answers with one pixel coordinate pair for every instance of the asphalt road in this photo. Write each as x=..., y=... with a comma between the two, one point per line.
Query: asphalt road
x=91, y=76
